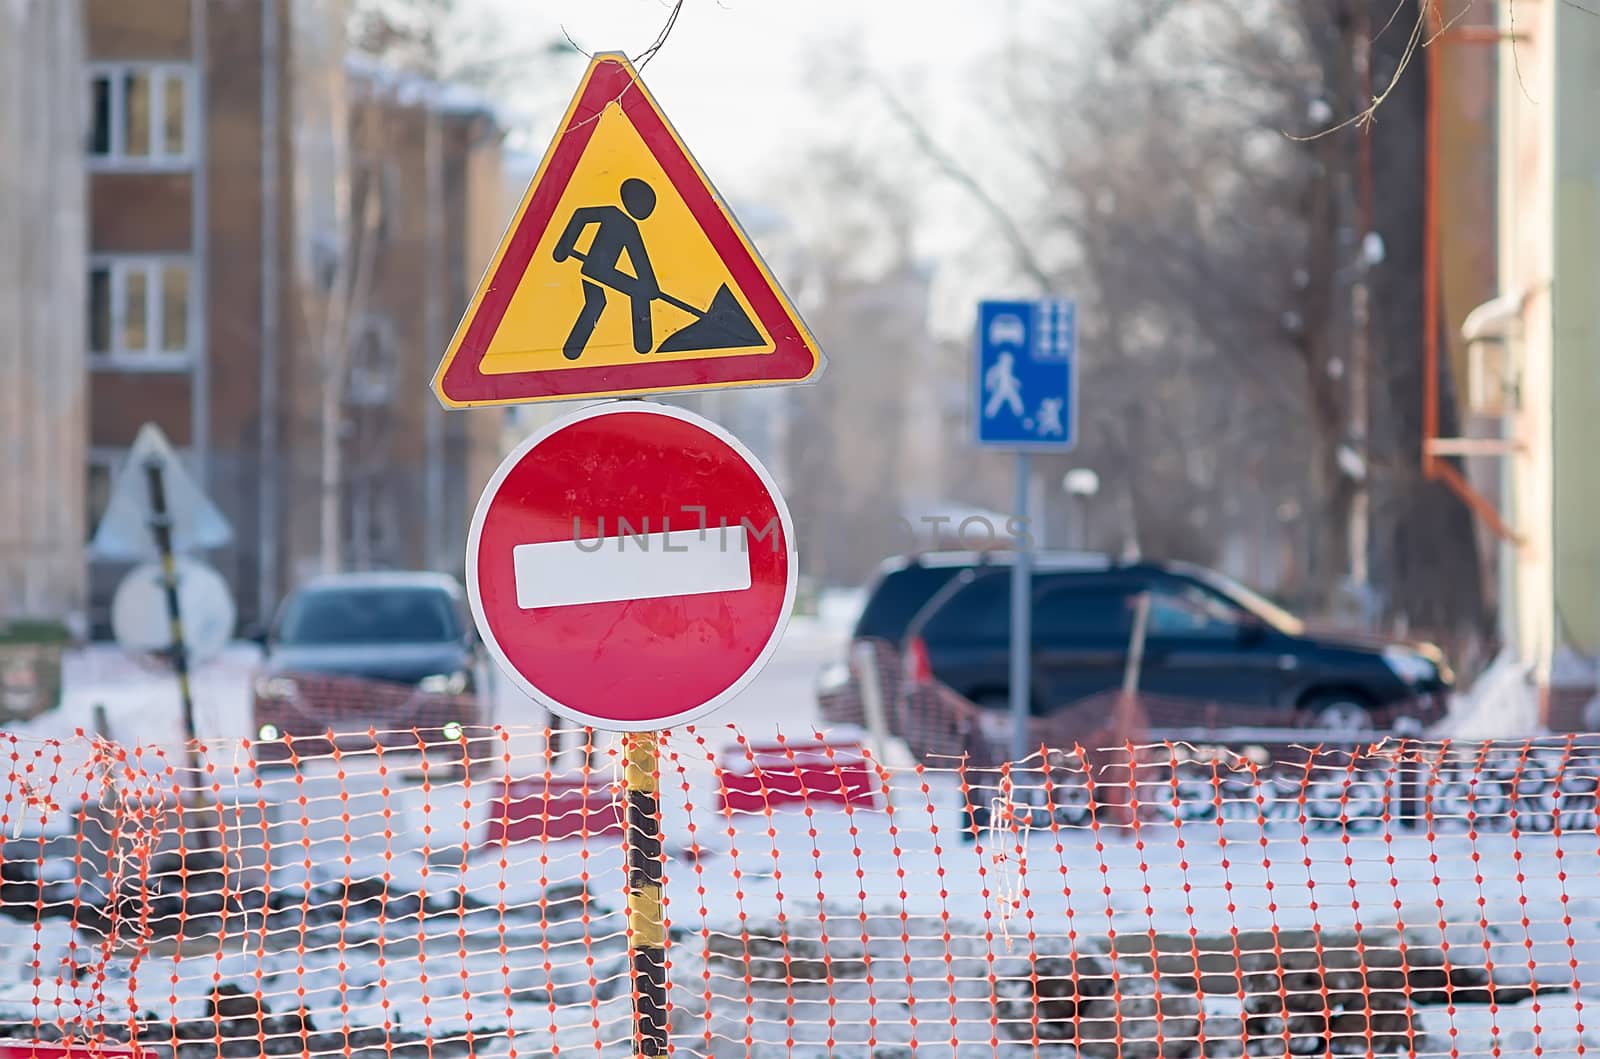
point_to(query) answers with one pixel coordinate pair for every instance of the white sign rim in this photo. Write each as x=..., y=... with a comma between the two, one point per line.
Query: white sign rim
x=475, y=599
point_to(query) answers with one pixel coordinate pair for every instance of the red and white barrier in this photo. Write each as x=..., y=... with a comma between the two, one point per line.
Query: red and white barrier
x=833, y=769
x=551, y=808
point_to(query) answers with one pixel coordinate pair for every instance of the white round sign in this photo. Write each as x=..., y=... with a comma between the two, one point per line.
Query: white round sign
x=140, y=620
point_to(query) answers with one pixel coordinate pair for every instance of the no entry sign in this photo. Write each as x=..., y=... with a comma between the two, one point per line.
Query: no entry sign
x=631, y=566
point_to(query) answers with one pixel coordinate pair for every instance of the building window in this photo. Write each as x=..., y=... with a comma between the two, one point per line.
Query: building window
x=140, y=116
x=139, y=312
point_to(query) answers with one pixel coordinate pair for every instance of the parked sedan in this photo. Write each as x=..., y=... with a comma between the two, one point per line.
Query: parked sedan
x=391, y=652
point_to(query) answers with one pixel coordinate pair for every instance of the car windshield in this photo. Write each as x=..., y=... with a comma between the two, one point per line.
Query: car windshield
x=368, y=616
x=898, y=597
x=971, y=605
x=1255, y=603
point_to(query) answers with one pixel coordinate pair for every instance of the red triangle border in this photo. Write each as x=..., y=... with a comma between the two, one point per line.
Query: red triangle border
x=793, y=358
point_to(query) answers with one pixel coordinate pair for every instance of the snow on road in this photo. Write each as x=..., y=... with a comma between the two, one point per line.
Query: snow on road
x=896, y=886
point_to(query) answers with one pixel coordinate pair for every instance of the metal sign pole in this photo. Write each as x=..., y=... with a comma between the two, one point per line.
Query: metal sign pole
x=161, y=529
x=647, y=935
x=864, y=660
x=1021, y=616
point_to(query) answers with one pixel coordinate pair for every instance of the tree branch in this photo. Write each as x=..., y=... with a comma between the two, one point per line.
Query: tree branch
x=963, y=178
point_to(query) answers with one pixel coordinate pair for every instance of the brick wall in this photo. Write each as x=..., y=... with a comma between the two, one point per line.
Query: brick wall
x=138, y=29
x=140, y=213
x=154, y=212
x=134, y=212
x=233, y=273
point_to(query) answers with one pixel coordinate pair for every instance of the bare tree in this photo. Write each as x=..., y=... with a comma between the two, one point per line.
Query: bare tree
x=414, y=44
x=1186, y=226
x=1184, y=176
x=846, y=453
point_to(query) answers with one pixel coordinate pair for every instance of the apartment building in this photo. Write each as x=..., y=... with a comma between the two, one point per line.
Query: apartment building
x=242, y=292
x=425, y=215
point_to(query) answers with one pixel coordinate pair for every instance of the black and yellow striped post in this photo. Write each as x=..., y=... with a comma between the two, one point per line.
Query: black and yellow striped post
x=161, y=528
x=647, y=935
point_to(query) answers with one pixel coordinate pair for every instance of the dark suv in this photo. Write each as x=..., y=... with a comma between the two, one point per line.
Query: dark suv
x=1208, y=640
x=904, y=584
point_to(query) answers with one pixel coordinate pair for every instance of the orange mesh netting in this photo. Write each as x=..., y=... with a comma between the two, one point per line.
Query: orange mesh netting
x=423, y=898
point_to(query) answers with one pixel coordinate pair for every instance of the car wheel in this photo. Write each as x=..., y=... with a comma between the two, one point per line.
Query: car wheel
x=1338, y=713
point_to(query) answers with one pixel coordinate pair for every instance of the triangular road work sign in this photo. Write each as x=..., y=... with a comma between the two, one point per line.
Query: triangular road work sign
x=124, y=531
x=623, y=272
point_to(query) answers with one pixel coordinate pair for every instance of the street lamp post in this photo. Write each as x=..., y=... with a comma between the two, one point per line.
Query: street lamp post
x=1081, y=483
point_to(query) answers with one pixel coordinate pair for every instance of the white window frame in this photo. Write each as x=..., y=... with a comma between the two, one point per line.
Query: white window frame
x=152, y=358
x=158, y=159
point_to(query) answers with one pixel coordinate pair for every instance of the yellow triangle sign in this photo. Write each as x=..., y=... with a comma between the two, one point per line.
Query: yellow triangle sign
x=623, y=273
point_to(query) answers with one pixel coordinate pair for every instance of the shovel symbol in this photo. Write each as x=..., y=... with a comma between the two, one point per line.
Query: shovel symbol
x=721, y=325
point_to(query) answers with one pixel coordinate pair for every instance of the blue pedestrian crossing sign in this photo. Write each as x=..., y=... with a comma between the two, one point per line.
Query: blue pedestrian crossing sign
x=1027, y=375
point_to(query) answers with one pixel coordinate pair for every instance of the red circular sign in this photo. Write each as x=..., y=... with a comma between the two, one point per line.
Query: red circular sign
x=631, y=566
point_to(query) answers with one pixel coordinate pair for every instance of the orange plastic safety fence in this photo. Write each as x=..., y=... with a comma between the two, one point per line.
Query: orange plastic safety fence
x=443, y=893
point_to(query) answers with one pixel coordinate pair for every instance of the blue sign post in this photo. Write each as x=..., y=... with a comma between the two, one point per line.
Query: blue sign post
x=1026, y=399
x=1027, y=392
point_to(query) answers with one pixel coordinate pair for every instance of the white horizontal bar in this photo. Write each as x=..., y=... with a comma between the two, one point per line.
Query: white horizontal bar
x=689, y=562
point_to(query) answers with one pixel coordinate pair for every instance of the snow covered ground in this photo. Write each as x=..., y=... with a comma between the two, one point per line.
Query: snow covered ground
x=846, y=933
x=862, y=900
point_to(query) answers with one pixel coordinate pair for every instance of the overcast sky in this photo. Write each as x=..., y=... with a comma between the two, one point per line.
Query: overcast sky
x=733, y=76
x=754, y=85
